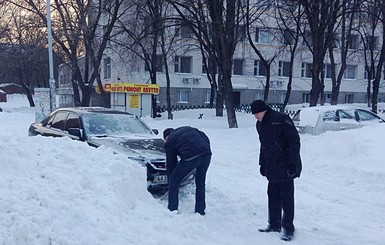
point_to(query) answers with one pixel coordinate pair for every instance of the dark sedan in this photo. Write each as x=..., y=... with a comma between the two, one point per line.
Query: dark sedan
x=122, y=131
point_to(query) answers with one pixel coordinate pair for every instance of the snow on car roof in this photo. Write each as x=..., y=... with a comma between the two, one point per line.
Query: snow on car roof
x=309, y=115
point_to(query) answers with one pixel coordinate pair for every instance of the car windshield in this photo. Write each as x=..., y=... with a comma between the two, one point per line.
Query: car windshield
x=99, y=124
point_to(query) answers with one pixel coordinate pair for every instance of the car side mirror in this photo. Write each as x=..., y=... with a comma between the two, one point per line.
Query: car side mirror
x=76, y=132
x=155, y=131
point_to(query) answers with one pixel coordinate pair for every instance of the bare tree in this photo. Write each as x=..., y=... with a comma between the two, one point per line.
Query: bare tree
x=377, y=7
x=255, y=15
x=144, y=35
x=289, y=21
x=223, y=18
x=196, y=17
x=345, y=24
x=368, y=26
x=321, y=18
x=24, y=56
x=80, y=28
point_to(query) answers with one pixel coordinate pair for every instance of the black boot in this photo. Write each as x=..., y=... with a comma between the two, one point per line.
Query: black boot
x=270, y=229
x=287, y=235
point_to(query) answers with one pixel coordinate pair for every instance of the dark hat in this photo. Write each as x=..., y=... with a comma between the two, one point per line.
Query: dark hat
x=166, y=132
x=258, y=106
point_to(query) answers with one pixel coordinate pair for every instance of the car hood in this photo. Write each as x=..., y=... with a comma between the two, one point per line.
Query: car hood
x=143, y=148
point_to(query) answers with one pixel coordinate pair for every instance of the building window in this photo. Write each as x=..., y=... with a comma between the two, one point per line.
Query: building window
x=182, y=64
x=305, y=97
x=349, y=98
x=350, y=72
x=371, y=43
x=259, y=96
x=238, y=67
x=118, y=101
x=183, y=96
x=107, y=67
x=353, y=41
x=259, y=68
x=287, y=37
x=369, y=75
x=207, y=96
x=327, y=71
x=210, y=65
x=306, y=70
x=182, y=30
x=105, y=30
x=159, y=64
x=262, y=36
x=241, y=32
x=307, y=39
x=283, y=69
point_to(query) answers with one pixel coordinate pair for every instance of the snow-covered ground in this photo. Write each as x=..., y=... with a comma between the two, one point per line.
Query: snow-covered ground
x=59, y=191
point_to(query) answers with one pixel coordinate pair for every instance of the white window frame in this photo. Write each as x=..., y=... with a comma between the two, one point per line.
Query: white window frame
x=305, y=97
x=207, y=96
x=259, y=69
x=237, y=65
x=283, y=68
x=119, y=101
x=262, y=36
x=327, y=71
x=349, y=98
x=178, y=64
x=350, y=72
x=306, y=70
x=183, y=96
x=107, y=68
x=259, y=96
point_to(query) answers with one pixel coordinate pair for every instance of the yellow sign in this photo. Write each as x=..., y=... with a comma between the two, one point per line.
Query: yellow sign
x=130, y=88
x=134, y=100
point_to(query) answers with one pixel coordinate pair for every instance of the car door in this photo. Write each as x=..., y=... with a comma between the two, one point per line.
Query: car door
x=367, y=118
x=55, y=125
x=347, y=119
x=73, y=123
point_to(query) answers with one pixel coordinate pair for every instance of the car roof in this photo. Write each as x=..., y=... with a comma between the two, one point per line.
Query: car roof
x=329, y=108
x=87, y=110
x=309, y=116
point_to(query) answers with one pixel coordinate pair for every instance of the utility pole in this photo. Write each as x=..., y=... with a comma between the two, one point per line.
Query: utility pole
x=51, y=81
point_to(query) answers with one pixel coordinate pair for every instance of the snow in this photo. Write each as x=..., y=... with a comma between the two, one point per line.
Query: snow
x=59, y=191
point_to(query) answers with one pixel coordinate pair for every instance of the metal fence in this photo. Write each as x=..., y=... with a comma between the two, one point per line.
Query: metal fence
x=245, y=108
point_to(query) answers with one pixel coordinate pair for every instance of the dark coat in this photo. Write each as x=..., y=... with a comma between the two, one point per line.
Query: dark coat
x=280, y=147
x=187, y=143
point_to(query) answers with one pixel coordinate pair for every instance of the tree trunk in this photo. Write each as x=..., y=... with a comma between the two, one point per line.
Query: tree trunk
x=29, y=95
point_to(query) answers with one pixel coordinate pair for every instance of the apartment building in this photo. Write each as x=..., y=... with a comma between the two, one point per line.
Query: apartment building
x=190, y=85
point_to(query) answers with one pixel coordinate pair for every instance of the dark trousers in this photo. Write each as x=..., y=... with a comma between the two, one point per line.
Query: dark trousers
x=201, y=164
x=281, y=198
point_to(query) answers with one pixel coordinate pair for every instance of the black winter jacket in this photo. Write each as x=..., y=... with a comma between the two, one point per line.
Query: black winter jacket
x=187, y=143
x=280, y=147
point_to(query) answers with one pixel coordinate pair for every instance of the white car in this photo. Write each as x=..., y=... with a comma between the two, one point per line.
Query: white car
x=319, y=119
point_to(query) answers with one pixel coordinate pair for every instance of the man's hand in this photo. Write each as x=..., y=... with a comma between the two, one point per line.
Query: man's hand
x=292, y=171
x=262, y=170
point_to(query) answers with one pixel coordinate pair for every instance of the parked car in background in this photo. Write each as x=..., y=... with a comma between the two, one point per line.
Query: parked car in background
x=319, y=119
x=124, y=132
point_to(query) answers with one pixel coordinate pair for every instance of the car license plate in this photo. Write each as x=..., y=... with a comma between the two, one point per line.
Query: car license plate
x=160, y=179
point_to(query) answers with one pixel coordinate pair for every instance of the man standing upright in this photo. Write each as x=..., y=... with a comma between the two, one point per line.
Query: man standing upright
x=280, y=163
x=193, y=148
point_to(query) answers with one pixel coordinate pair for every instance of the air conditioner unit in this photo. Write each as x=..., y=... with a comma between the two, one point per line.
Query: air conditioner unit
x=196, y=80
x=186, y=80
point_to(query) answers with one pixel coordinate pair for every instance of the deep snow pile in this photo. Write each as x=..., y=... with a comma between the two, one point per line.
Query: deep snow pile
x=59, y=191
